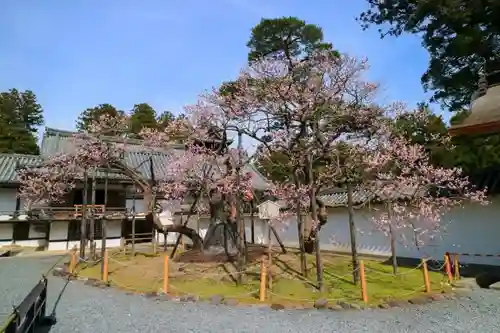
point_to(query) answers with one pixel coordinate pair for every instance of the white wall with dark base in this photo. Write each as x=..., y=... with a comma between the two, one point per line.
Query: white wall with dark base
x=58, y=237
x=472, y=229
x=7, y=206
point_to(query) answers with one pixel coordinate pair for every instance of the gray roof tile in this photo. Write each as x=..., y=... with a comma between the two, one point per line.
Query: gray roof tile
x=57, y=141
x=337, y=197
x=9, y=162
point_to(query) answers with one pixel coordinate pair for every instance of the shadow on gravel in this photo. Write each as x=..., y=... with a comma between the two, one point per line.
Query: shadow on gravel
x=50, y=320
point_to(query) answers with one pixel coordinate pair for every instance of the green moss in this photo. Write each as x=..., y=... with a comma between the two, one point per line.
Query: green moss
x=144, y=273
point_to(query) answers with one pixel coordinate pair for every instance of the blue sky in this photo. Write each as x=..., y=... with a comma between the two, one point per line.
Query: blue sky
x=80, y=53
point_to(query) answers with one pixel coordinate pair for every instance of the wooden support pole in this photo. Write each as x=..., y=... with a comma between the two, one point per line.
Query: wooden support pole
x=165, y=275
x=262, y=294
x=105, y=266
x=269, y=256
x=456, y=266
x=447, y=266
x=133, y=235
x=72, y=263
x=182, y=245
x=362, y=276
x=425, y=271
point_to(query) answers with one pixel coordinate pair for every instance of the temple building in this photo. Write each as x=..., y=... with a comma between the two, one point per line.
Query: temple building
x=60, y=233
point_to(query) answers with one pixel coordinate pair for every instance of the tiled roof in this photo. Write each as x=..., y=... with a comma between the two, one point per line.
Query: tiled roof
x=337, y=197
x=57, y=141
x=9, y=162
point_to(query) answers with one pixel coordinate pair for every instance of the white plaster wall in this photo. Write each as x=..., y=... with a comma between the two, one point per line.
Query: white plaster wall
x=139, y=205
x=35, y=232
x=472, y=229
x=8, y=200
x=58, y=231
x=6, y=233
x=196, y=223
x=201, y=225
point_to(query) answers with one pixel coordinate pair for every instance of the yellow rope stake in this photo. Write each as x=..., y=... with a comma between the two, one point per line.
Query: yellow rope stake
x=362, y=276
x=425, y=271
x=72, y=263
x=165, y=275
x=447, y=266
x=106, y=269
x=181, y=247
x=262, y=294
x=456, y=266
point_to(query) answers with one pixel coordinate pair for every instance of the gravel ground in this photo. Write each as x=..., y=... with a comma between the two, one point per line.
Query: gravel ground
x=18, y=275
x=89, y=309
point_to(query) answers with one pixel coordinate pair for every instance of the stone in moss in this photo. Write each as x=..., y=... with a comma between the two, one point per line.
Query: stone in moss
x=356, y=306
x=418, y=300
x=344, y=305
x=335, y=307
x=231, y=302
x=436, y=297
x=277, y=306
x=321, y=303
x=397, y=303
x=58, y=271
x=189, y=298
x=384, y=306
x=216, y=299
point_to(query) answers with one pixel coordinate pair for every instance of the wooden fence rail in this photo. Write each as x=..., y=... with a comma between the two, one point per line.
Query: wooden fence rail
x=29, y=316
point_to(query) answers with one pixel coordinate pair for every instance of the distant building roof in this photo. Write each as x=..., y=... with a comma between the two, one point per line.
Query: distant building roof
x=9, y=163
x=59, y=141
x=337, y=197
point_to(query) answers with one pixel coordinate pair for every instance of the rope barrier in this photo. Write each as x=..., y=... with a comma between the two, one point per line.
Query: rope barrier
x=411, y=271
x=250, y=293
x=279, y=273
x=475, y=254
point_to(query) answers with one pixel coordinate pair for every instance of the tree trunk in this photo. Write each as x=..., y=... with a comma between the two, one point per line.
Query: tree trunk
x=252, y=221
x=269, y=256
x=190, y=213
x=83, y=226
x=393, y=242
x=300, y=231
x=240, y=222
x=92, y=218
x=352, y=231
x=322, y=219
x=314, y=213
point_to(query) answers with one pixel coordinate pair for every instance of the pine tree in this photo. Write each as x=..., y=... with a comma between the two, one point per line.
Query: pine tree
x=93, y=114
x=20, y=116
x=142, y=116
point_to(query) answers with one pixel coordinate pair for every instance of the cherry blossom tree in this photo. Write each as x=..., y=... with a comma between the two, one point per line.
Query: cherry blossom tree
x=301, y=108
x=416, y=194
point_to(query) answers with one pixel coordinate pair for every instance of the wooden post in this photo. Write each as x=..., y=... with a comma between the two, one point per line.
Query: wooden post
x=72, y=263
x=447, y=266
x=262, y=294
x=269, y=256
x=165, y=275
x=104, y=227
x=133, y=235
x=456, y=265
x=83, y=226
x=425, y=271
x=105, y=266
x=92, y=217
x=364, y=293
x=182, y=248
